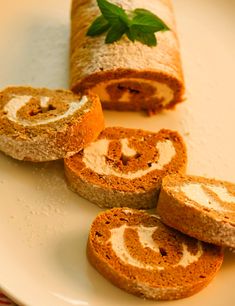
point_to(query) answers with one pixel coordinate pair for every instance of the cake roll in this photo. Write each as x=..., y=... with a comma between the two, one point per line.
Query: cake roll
x=42, y=124
x=200, y=207
x=139, y=254
x=127, y=75
x=125, y=167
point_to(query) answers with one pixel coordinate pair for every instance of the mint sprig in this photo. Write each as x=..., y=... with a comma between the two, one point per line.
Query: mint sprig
x=138, y=25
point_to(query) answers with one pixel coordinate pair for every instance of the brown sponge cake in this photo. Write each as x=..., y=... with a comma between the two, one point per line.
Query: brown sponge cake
x=127, y=75
x=42, y=124
x=200, y=207
x=138, y=253
x=124, y=167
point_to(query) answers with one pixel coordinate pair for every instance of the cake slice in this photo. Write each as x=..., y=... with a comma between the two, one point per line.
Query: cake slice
x=124, y=167
x=42, y=124
x=200, y=207
x=138, y=253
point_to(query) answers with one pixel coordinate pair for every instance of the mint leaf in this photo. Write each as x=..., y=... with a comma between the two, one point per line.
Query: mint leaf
x=148, y=39
x=130, y=34
x=148, y=22
x=112, y=12
x=116, y=32
x=99, y=26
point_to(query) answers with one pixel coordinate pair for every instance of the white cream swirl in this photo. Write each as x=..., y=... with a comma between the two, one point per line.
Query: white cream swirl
x=145, y=235
x=162, y=91
x=94, y=157
x=196, y=193
x=18, y=101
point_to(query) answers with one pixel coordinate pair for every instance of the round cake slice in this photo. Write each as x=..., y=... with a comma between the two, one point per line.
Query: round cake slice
x=124, y=167
x=199, y=207
x=138, y=253
x=42, y=124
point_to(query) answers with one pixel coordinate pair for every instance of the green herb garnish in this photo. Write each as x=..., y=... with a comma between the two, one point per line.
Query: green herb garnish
x=140, y=24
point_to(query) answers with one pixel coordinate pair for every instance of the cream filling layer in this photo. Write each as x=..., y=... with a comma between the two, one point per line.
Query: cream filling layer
x=162, y=91
x=145, y=235
x=126, y=150
x=94, y=157
x=188, y=258
x=195, y=192
x=17, y=102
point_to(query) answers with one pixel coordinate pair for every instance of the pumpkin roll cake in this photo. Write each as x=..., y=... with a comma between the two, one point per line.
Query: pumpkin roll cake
x=139, y=254
x=127, y=75
x=125, y=167
x=199, y=207
x=41, y=124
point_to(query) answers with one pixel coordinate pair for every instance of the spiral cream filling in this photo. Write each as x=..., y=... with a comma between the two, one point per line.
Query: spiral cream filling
x=196, y=193
x=94, y=157
x=146, y=240
x=162, y=91
x=17, y=102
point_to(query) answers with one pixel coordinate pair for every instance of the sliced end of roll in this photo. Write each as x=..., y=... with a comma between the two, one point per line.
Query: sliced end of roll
x=39, y=124
x=124, y=167
x=199, y=207
x=142, y=256
x=135, y=91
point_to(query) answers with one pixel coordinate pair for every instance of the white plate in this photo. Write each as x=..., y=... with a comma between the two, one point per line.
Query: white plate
x=44, y=226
